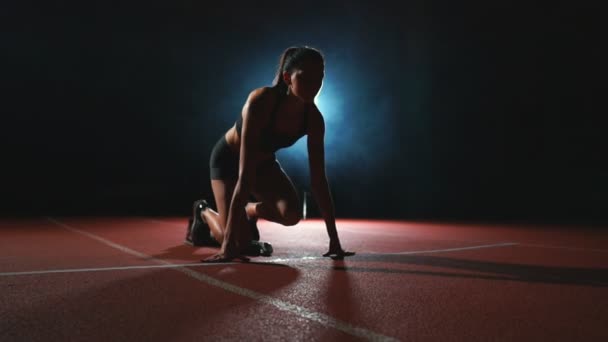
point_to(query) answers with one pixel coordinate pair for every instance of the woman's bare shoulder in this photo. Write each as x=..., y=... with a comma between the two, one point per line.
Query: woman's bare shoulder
x=262, y=95
x=259, y=104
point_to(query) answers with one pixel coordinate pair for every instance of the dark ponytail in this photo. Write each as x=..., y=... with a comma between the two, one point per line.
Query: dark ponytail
x=291, y=58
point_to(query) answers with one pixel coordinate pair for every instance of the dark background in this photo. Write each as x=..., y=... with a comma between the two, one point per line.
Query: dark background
x=450, y=110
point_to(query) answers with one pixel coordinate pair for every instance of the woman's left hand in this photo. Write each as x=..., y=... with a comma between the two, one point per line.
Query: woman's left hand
x=336, y=252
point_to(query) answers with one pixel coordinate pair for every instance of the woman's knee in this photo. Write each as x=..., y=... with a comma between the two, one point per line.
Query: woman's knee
x=292, y=218
x=290, y=214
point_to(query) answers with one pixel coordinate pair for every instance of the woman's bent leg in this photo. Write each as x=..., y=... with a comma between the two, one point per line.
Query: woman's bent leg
x=222, y=192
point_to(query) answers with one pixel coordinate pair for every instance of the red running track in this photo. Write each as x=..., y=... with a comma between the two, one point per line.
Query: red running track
x=125, y=279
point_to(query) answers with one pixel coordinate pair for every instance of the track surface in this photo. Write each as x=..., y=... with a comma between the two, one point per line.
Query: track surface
x=125, y=279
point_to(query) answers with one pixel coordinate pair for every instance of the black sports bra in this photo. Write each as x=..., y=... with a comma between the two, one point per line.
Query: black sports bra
x=270, y=141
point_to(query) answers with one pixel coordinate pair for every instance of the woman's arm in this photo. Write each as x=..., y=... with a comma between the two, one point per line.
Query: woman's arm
x=255, y=114
x=318, y=180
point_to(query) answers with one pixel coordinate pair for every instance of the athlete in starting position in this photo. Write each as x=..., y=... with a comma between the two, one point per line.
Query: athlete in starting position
x=243, y=161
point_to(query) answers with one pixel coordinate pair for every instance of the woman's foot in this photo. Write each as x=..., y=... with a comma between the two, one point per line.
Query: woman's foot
x=198, y=231
x=259, y=248
x=253, y=227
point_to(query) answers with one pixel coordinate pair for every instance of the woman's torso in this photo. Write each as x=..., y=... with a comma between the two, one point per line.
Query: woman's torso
x=282, y=130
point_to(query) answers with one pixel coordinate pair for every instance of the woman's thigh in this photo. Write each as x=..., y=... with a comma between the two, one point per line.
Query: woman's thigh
x=223, y=166
x=274, y=188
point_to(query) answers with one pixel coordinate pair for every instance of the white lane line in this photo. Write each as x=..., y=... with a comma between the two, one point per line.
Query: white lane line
x=101, y=269
x=297, y=310
x=565, y=247
x=107, y=242
x=273, y=260
x=429, y=251
x=308, y=258
x=455, y=249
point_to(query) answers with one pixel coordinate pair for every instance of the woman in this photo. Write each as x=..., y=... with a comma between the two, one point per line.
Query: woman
x=243, y=161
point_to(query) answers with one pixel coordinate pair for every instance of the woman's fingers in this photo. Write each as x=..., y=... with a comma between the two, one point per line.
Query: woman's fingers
x=220, y=257
x=338, y=255
x=216, y=258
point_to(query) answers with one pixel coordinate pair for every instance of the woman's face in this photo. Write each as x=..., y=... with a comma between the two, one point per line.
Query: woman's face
x=306, y=80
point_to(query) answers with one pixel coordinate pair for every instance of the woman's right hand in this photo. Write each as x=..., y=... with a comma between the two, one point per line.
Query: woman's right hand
x=223, y=257
x=236, y=235
x=228, y=252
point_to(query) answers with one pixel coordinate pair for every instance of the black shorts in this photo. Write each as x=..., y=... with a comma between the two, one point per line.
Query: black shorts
x=224, y=163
